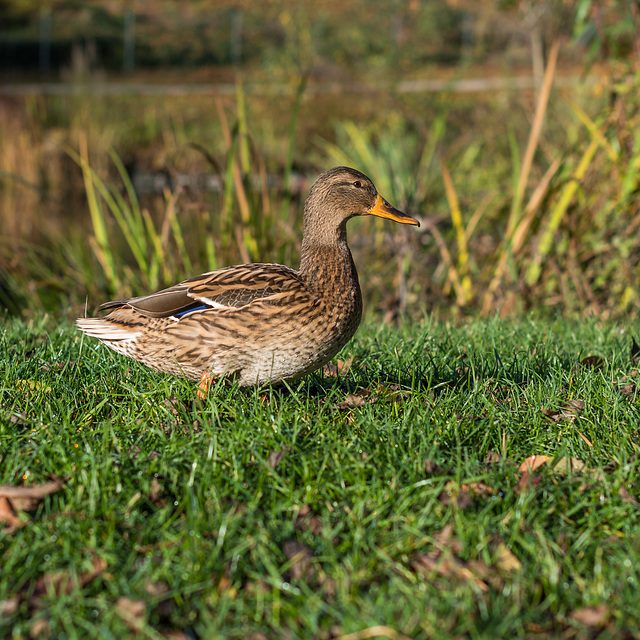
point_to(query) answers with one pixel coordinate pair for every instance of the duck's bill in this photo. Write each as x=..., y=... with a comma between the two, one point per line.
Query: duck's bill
x=383, y=209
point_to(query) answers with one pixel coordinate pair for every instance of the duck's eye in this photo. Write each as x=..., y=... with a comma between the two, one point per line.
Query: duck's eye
x=357, y=184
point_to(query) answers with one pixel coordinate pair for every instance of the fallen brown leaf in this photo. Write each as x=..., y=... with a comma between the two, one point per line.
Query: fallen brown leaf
x=155, y=493
x=478, y=488
x=528, y=480
x=433, y=468
x=532, y=463
x=573, y=407
x=28, y=498
x=299, y=555
x=628, y=390
x=41, y=627
x=594, y=362
x=60, y=582
x=7, y=514
x=20, y=419
x=626, y=496
x=462, y=371
x=155, y=589
x=569, y=411
x=9, y=607
x=490, y=575
x=276, y=457
x=307, y=520
x=453, y=495
x=351, y=401
x=445, y=565
x=492, y=457
x=341, y=366
x=132, y=612
x=393, y=392
x=591, y=616
x=444, y=535
x=379, y=631
x=462, y=495
x=568, y=465
x=158, y=591
x=506, y=560
x=444, y=540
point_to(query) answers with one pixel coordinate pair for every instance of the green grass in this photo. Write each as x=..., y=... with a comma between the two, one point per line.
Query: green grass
x=404, y=524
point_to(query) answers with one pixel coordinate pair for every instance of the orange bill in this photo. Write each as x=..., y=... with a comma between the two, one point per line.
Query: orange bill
x=383, y=209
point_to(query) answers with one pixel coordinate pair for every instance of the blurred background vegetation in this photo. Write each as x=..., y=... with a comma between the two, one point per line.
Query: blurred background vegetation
x=146, y=141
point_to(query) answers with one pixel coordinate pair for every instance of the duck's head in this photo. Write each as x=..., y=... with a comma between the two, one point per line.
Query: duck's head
x=342, y=193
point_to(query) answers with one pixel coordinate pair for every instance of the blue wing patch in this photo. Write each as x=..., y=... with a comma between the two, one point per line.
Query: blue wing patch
x=201, y=307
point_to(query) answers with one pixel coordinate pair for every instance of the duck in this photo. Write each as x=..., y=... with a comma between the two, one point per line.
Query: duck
x=261, y=323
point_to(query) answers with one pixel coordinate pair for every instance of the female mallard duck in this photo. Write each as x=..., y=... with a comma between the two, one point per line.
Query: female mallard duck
x=257, y=323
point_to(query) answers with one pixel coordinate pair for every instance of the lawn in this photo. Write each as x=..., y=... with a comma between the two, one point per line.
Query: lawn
x=388, y=496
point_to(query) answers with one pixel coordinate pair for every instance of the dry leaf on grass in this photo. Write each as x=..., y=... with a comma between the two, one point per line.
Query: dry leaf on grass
x=593, y=362
x=9, y=607
x=563, y=466
x=299, y=556
x=351, y=401
x=492, y=457
x=478, y=488
x=7, y=515
x=379, y=631
x=307, y=520
x=341, y=366
x=627, y=390
x=14, y=499
x=462, y=495
x=432, y=468
x=506, y=560
x=569, y=411
x=19, y=419
x=132, y=612
x=568, y=465
x=591, y=616
x=276, y=457
x=444, y=539
x=532, y=463
x=158, y=591
x=28, y=498
x=57, y=583
x=393, y=392
x=528, y=480
x=155, y=493
x=388, y=392
x=445, y=564
x=60, y=582
x=444, y=561
x=40, y=628
x=459, y=499
x=626, y=496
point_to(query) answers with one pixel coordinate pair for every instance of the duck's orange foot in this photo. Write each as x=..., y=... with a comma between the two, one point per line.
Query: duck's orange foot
x=203, y=387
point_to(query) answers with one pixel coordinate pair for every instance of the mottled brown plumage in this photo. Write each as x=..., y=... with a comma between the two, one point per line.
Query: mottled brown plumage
x=257, y=323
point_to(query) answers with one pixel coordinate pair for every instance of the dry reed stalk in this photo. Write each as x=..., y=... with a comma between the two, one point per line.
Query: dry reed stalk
x=514, y=217
x=463, y=291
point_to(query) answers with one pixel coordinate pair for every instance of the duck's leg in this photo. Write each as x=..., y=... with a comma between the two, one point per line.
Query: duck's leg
x=205, y=383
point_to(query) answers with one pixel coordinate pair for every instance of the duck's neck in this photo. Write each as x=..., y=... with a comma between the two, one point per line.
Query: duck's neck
x=326, y=263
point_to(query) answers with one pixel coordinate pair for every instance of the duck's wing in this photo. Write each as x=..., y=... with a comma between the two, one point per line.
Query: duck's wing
x=228, y=288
